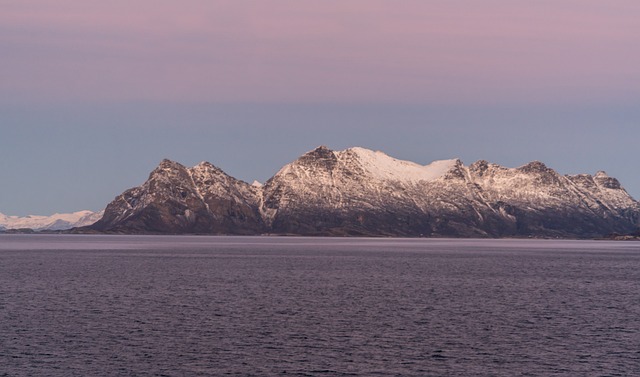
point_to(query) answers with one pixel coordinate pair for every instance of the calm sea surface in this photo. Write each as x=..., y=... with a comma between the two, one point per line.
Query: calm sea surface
x=258, y=306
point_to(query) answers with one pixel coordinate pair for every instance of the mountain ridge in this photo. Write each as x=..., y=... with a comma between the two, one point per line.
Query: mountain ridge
x=361, y=192
x=55, y=222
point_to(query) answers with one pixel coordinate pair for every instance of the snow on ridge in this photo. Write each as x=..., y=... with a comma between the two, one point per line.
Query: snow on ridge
x=58, y=221
x=384, y=167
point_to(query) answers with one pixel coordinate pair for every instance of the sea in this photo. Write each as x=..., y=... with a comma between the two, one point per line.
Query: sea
x=97, y=305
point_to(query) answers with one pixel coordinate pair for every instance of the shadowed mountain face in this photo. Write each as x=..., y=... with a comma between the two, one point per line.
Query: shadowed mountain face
x=367, y=193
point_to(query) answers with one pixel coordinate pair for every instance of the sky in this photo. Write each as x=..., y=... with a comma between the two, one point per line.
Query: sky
x=94, y=94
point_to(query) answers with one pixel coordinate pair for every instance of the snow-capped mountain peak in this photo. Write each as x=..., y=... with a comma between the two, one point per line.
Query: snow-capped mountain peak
x=58, y=221
x=383, y=167
x=358, y=191
x=360, y=162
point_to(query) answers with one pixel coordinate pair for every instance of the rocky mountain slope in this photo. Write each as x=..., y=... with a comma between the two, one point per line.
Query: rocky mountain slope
x=362, y=192
x=177, y=199
x=59, y=221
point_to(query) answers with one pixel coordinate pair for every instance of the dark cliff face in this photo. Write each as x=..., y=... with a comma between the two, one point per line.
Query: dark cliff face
x=365, y=193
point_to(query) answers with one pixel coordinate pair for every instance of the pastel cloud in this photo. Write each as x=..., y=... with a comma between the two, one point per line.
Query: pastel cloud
x=320, y=50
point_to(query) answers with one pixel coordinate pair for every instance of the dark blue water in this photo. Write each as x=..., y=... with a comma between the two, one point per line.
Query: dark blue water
x=215, y=306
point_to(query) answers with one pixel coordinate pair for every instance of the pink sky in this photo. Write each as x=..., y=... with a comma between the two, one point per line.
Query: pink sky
x=450, y=51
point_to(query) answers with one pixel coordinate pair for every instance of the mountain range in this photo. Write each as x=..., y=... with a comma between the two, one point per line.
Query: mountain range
x=360, y=192
x=58, y=221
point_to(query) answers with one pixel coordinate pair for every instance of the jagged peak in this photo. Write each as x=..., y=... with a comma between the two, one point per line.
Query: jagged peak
x=322, y=151
x=321, y=156
x=602, y=179
x=206, y=170
x=165, y=167
x=167, y=164
x=535, y=166
x=206, y=166
x=480, y=165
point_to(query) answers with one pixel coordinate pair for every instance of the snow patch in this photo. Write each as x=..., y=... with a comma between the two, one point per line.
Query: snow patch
x=383, y=167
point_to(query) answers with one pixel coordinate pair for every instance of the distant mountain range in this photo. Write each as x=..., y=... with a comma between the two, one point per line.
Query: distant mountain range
x=360, y=192
x=59, y=221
